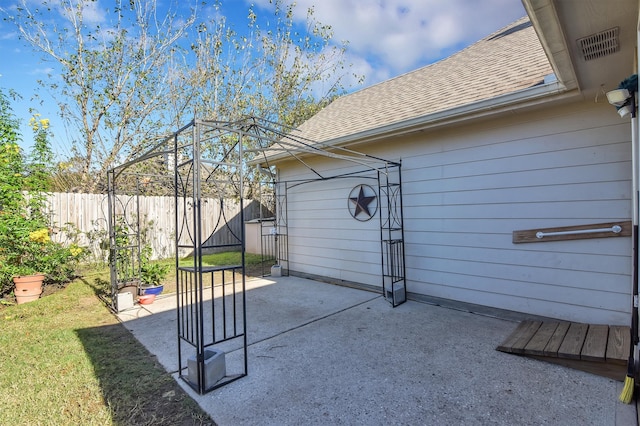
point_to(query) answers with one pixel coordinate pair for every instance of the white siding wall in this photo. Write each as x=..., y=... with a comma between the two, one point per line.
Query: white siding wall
x=465, y=191
x=323, y=237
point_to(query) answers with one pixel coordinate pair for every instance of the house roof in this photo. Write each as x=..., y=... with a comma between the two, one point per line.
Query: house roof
x=507, y=61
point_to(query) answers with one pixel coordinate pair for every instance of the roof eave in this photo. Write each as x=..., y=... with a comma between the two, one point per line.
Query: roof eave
x=525, y=98
x=546, y=23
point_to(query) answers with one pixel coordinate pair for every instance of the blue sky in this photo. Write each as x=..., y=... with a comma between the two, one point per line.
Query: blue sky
x=386, y=38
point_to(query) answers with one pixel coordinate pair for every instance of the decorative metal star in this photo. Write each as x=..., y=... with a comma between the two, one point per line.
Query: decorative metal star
x=362, y=202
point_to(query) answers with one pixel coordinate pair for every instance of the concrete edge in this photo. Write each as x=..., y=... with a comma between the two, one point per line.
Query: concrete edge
x=503, y=314
x=626, y=414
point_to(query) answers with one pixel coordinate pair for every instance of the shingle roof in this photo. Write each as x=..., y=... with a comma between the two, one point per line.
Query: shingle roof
x=506, y=61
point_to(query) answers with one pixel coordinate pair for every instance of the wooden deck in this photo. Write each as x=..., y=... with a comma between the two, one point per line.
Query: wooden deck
x=597, y=349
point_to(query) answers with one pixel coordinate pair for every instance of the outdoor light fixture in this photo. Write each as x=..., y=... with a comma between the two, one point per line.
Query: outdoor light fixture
x=624, y=110
x=623, y=98
x=618, y=97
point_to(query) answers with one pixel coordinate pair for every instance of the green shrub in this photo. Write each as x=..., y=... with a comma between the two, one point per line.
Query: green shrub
x=151, y=274
x=26, y=246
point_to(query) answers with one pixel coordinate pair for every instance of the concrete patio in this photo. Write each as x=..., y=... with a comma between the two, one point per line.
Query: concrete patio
x=325, y=354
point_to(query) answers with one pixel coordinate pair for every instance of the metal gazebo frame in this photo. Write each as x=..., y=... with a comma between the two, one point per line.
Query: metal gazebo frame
x=223, y=160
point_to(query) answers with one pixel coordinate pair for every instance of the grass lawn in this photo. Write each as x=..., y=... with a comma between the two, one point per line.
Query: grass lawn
x=65, y=359
x=254, y=265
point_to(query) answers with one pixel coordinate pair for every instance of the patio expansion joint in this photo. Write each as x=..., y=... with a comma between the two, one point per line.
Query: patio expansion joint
x=310, y=322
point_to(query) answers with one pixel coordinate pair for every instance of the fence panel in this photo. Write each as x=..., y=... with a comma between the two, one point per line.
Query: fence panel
x=83, y=218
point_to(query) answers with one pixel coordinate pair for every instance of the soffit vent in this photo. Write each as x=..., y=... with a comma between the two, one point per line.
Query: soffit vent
x=600, y=44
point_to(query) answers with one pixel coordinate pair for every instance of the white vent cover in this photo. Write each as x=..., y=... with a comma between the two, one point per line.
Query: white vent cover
x=600, y=44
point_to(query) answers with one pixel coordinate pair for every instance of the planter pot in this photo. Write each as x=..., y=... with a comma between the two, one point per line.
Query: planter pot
x=146, y=299
x=152, y=290
x=129, y=286
x=133, y=289
x=28, y=287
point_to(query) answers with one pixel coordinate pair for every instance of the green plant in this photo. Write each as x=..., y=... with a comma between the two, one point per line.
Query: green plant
x=26, y=246
x=98, y=238
x=121, y=256
x=151, y=274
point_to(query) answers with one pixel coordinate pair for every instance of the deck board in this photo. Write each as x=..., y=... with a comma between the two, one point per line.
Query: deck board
x=618, y=345
x=516, y=342
x=539, y=340
x=595, y=343
x=571, y=346
x=556, y=340
x=597, y=349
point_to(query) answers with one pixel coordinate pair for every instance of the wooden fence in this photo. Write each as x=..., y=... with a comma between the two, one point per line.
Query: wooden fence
x=83, y=218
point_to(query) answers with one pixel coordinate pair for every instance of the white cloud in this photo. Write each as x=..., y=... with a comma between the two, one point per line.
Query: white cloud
x=396, y=36
x=41, y=71
x=93, y=13
x=9, y=36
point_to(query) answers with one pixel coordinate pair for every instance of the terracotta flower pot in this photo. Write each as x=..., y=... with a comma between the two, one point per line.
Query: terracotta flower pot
x=28, y=287
x=146, y=299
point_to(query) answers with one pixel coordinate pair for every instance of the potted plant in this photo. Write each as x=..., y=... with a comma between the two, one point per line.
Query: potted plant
x=28, y=286
x=27, y=253
x=151, y=274
x=24, y=263
x=33, y=258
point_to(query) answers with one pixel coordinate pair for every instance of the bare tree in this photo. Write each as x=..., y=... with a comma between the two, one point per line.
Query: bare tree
x=129, y=73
